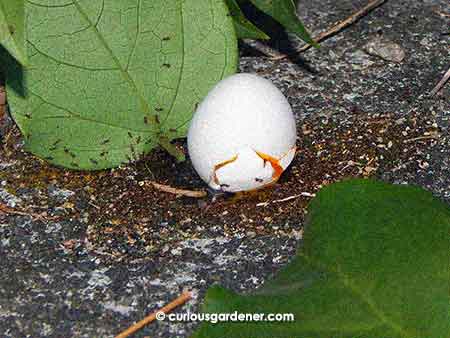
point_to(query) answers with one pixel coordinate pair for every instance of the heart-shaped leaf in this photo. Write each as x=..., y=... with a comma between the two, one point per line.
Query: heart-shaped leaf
x=374, y=263
x=12, y=28
x=244, y=28
x=285, y=13
x=111, y=79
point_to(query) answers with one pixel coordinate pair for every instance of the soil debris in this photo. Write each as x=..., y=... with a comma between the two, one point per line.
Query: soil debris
x=125, y=208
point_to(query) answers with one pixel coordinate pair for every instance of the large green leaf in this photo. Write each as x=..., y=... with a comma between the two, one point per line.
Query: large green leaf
x=244, y=28
x=111, y=79
x=374, y=263
x=12, y=28
x=285, y=13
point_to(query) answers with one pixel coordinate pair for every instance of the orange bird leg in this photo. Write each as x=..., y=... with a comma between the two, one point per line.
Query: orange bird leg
x=275, y=163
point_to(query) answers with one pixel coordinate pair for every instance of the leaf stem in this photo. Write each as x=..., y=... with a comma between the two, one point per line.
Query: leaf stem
x=172, y=149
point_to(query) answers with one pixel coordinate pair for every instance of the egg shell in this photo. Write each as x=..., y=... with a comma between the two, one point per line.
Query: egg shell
x=242, y=117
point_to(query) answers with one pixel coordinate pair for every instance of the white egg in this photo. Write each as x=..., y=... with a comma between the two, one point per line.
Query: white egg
x=242, y=135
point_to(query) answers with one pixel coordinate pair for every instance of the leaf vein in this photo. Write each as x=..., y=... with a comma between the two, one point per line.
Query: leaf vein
x=126, y=75
x=80, y=117
x=182, y=66
x=348, y=282
x=138, y=29
x=54, y=59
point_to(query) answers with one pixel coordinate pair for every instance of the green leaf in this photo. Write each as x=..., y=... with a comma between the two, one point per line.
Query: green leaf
x=244, y=28
x=12, y=28
x=110, y=80
x=374, y=263
x=284, y=12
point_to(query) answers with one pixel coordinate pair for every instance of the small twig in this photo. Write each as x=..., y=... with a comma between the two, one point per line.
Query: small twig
x=304, y=194
x=94, y=205
x=265, y=49
x=178, y=192
x=351, y=164
x=420, y=138
x=149, y=171
x=442, y=13
x=441, y=83
x=10, y=211
x=338, y=27
x=151, y=318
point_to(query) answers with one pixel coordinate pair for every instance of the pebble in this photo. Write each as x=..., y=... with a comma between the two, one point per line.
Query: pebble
x=385, y=49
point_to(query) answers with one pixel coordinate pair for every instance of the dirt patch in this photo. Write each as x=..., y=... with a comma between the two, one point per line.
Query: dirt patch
x=130, y=219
